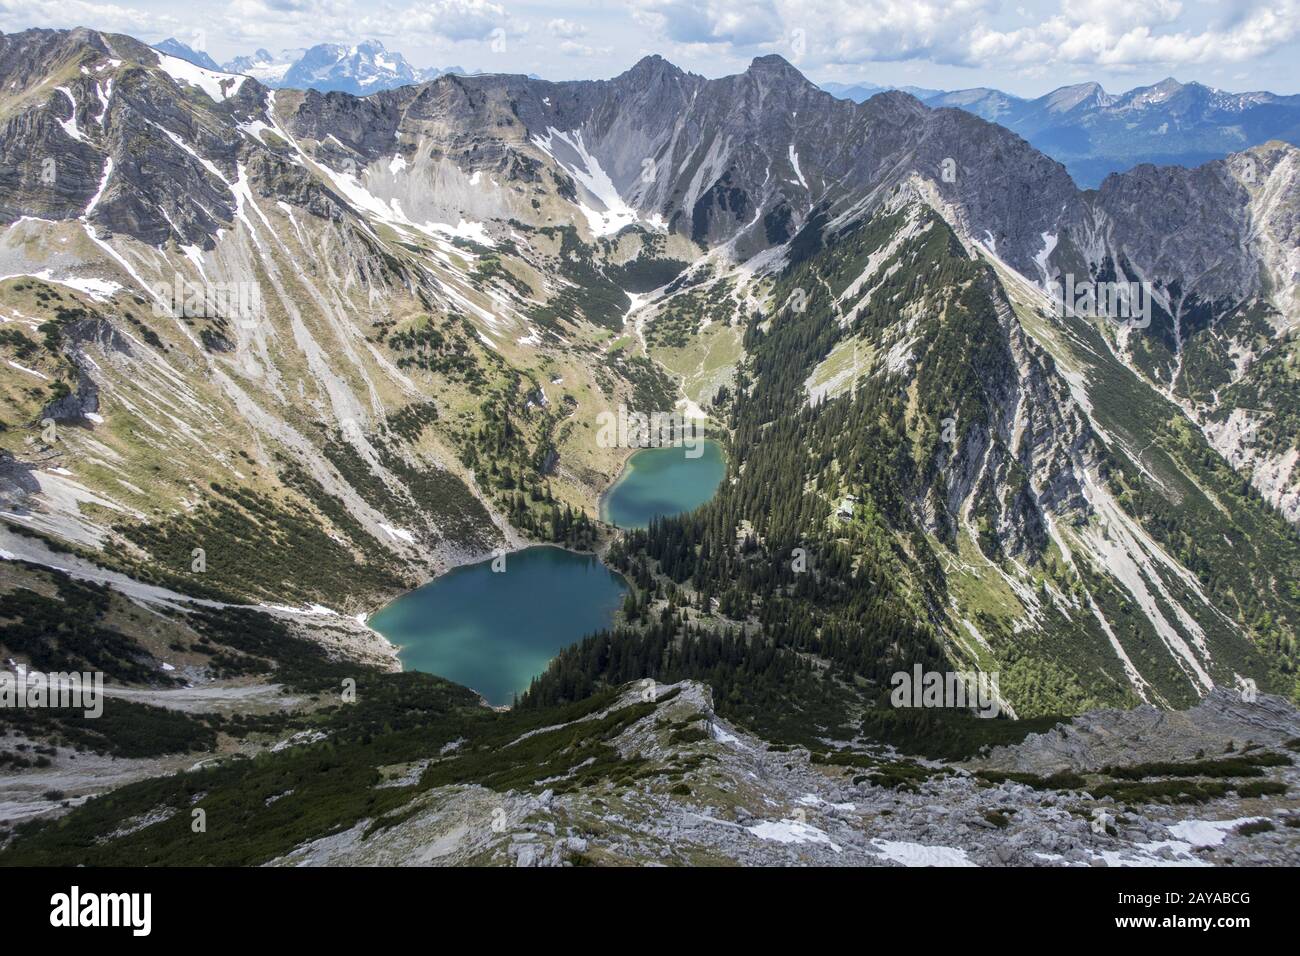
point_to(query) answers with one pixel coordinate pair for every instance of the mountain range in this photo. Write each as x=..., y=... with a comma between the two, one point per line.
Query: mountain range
x=1091, y=132
x=857, y=92
x=442, y=288
x=358, y=69
x=1095, y=133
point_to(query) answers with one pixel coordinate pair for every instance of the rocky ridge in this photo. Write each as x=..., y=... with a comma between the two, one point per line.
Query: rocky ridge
x=749, y=803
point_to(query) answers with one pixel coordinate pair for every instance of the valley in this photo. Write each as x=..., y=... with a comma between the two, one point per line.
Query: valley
x=304, y=446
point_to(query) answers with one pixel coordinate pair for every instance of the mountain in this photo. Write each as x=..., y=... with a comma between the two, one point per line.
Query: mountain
x=360, y=69
x=262, y=66
x=274, y=356
x=985, y=103
x=857, y=92
x=175, y=47
x=1095, y=133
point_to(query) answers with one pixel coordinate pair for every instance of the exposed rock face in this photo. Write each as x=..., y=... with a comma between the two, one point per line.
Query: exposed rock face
x=1220, y=247
x=705, y=157
x=750, y=805
x=137, y=176
x=1115, y=737
x=745, y=158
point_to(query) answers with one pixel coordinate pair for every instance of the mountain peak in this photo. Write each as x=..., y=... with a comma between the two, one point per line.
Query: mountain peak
x=1065, y=98
x=1079, y=89
x=772, y=63
x=775, y=70
x=650, y=68
x=654, y=63
x=174, y=47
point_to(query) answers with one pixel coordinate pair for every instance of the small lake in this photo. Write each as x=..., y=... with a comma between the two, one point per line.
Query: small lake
x=663, y=481
x=494, y=631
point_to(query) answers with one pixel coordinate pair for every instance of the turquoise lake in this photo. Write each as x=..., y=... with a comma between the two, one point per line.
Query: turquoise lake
x=663, y=481
x=495, y=631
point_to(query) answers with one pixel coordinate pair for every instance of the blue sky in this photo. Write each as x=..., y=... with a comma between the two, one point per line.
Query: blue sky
x=1026, y=47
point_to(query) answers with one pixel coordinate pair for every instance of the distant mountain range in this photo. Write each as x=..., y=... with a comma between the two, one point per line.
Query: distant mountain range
x=366, y=67
x=1095, y=133
x=860, y=92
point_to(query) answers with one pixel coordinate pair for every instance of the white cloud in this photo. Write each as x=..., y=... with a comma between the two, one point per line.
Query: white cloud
x=577, y=48
x=111, y=17
x=737, y=23
x=282, y=13
x=313, y=21
x=885, y=30
x=567, y=29
x=1117, y=34
x=452, y=19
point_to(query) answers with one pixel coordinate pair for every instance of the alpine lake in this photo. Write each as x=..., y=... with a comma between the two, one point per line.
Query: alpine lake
x=495, y=625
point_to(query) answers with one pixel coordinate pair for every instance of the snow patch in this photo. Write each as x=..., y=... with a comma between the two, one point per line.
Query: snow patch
x=722, y=737
x=791, y=831
x=794, y=161
x=218, y=86
x=103, y=184
x=101, y=290
x=918, y=854
x=595, y=181
x=1049, y=244
x=70, y=125
x=473, y=231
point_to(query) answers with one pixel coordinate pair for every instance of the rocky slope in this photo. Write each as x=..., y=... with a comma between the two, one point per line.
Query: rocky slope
x=731, y=798
x=651, y=775
x=358, y=364
x=1058, y=494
